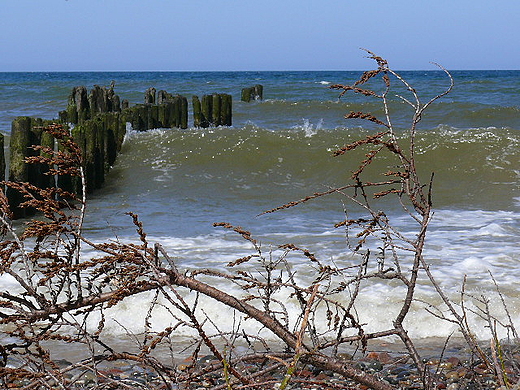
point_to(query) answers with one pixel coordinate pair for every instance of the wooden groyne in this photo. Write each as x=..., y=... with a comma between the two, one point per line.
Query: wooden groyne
x=98, y=122
x=252, y=93
x=212, y=110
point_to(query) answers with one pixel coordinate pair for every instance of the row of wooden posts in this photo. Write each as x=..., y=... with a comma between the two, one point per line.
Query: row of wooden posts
x=98, y=122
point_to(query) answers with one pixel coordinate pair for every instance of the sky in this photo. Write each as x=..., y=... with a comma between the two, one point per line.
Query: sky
x=229, y=35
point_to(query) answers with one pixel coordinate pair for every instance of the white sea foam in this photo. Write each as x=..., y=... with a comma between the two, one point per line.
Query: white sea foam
x=493, y=229
x=309, y=128
x=376, y=310
x=456, y=250
x=458, y=247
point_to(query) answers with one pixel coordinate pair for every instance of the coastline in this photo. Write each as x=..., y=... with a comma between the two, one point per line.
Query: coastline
x=450, y=367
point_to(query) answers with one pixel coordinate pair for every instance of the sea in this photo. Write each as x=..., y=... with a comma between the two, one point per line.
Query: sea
x=280, y=149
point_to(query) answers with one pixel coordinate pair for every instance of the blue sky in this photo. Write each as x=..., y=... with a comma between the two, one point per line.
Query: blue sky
x=169, y=35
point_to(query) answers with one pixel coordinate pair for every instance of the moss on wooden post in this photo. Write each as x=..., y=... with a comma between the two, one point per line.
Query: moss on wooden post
x=136, y=116
x=258, y=91
x=184, y=112
x=252, y=93
x=149, y=96
x=246, y=94
x=226, y=110
x=115, y=103
x=70, y=183
x=215, y=109
x=163, y=97
x=70, y=114
x=207, y=112
x=197, y=113
x=88, y=135
x=215, y=113
x=111, y=144
x=92, y=136
x=153, y=117
x=78, y=108
x=20, y=142
x=38, y=172
x=73, y=183
x=162, y=115
x=22, y=138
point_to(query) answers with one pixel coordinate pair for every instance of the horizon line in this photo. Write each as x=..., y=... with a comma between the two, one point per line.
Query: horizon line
x=249, y=71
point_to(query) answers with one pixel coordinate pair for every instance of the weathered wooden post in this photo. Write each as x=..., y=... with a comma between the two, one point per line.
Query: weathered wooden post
x=226, y=110
x=78, y=107
x=22, y=138
x=197, y=111
x=258, y=91
x=149, y=96
x=163, y=97
x=70, y=183
x=137, y=117
x=177, y=112
x=153, y=117
x=215, y=109
x=99, y=151
x=89, y=154
x=97, y=101
x=163, y=115
x=19, y=148
x=246, y=94
x=38, y=172
x=113, y=138
x=184, y=112
x=252, y=93
x=113, y=101
x=207, y=112
x=91, y=138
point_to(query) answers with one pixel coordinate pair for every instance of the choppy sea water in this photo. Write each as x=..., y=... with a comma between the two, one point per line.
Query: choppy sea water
x=280, y=149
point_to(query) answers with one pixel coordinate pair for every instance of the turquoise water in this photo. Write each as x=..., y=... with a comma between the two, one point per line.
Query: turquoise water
x=280, y=149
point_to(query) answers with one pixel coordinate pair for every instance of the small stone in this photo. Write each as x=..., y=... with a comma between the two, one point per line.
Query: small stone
x=392, y=379
x=88, y=377
x=455, y=361
x=453, y=375
x=183, y=367
x=396, y=370
x=375, y=365
x=385, y=358
x=403, y=374
x=462, y=372
x=372, y=355
x=344, y=356
x=207, y=360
